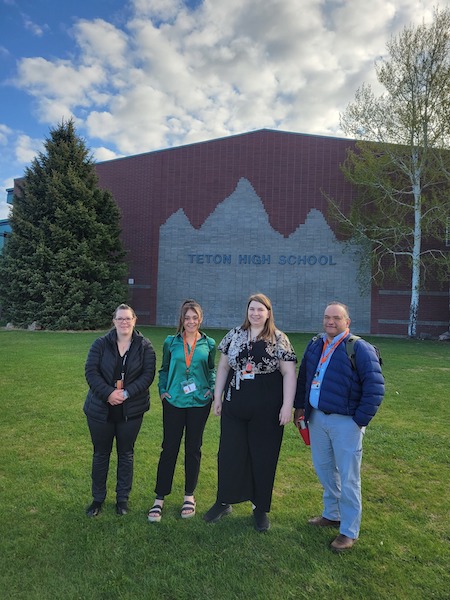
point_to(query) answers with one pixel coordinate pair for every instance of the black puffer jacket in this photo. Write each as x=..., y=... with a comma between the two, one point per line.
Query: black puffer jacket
x=139, y=374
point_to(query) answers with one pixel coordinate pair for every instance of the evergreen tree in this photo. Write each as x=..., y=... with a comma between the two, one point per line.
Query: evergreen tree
x=63, y=265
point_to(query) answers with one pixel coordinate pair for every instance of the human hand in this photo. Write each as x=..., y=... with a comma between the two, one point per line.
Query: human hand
x=165, y=396
x=285, y=415
x=116, y=397
x=298, y=414
x=217, y=406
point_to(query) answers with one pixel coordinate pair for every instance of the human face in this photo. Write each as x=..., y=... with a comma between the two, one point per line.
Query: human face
x=335, y=320
x=124, y=321
x=257, y=314
x=192, y=321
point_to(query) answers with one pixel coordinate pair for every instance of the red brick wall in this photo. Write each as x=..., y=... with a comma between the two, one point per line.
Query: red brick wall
x=288, y=172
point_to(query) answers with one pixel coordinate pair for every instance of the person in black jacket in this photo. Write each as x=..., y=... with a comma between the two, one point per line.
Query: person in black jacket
x=120, y=368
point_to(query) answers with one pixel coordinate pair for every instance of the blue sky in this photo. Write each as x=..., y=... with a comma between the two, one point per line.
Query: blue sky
x=141, y=75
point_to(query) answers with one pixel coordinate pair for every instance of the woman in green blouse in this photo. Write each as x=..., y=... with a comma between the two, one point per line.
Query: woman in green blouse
x=186, y=387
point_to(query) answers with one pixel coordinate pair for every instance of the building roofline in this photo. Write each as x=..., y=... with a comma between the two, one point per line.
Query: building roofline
x=227, y=137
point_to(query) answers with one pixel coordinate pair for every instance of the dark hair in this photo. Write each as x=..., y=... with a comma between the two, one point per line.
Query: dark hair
x=124, y=307
x=268, y=332
x=189, y=304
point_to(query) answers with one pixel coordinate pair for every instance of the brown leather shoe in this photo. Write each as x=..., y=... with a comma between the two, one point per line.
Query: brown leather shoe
x=341, y=543
x=323, y=522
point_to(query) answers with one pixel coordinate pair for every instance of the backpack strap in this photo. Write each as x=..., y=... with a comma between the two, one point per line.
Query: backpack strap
x=350, y=347
x=319, y=336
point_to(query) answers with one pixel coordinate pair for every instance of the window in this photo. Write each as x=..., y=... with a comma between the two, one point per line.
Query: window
x=5, y=232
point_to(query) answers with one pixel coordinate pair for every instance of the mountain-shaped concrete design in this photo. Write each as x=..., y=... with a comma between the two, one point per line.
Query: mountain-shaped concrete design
x=237, y=252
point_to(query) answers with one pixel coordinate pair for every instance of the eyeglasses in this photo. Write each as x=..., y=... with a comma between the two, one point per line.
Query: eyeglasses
x=124, y=319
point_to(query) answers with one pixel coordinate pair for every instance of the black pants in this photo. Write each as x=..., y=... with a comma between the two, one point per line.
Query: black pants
x=250, y=442
x=192, y=422
x=102, y=435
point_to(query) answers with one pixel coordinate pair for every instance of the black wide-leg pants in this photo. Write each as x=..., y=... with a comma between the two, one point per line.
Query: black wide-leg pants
x=250, y=442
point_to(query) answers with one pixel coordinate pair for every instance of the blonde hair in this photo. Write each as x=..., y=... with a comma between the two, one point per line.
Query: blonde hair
x=189, y=304
x=268, y=332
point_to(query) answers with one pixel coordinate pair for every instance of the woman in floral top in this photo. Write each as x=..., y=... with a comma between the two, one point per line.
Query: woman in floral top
x=256, y=379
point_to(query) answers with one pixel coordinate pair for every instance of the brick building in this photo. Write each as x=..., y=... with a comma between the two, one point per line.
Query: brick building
x=221, y=219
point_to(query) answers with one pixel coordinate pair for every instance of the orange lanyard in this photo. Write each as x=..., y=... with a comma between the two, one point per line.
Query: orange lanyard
x=188, y=355
x=325, y=354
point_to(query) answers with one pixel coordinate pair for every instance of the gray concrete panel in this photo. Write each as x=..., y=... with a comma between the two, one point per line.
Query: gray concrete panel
x=236, y=252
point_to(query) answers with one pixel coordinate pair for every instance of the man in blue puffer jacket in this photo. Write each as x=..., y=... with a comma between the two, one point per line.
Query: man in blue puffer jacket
x=338, y=402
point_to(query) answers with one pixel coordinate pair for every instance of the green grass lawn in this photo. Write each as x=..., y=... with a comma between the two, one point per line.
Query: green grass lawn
x=50, y=550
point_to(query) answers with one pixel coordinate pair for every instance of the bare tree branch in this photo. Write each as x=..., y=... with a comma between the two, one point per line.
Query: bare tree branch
x=400, y=166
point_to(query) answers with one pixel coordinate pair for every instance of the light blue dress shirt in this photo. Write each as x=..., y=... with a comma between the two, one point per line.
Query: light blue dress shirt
x=316, y=384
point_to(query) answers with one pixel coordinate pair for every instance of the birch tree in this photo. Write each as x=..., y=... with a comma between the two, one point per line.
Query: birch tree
x=400, y=164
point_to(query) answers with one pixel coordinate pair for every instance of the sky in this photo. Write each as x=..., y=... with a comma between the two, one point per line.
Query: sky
x=143, y=75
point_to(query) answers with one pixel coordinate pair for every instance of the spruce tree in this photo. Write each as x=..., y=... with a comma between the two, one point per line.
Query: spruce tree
x=63, y=266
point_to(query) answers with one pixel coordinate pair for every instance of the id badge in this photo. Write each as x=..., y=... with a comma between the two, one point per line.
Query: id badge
x=188, y=386
x=119, y=384
x=245, y=375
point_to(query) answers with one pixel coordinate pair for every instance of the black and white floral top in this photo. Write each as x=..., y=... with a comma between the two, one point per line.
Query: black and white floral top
x=263, y=356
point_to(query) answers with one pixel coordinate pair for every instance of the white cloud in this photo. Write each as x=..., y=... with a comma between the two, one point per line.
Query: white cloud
x=33, y=27
x=101, y=154
x=172, y=76
x=61, y=79
x=8, y=183
x=5, y=133
x=4, y=206
x=101, y=43
x=4, y=209
x=161, y=10
x=26, y=148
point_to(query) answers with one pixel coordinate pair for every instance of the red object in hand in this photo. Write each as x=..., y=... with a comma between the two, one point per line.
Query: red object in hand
x=303, y=430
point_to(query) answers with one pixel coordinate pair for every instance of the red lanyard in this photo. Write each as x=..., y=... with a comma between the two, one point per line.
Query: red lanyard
x=188, y=356
x=325, y=354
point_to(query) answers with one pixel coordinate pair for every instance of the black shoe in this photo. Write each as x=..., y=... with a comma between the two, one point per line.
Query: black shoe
x=216, y=512
x=121, y=508
x=262, y=522
x=94, y=509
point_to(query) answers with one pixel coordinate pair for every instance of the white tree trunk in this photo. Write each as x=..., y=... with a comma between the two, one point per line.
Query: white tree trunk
x=415, y=297
x=415, y=277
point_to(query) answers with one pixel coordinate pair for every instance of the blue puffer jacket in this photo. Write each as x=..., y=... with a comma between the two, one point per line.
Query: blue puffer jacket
x=344, y=391
x=139, y=374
